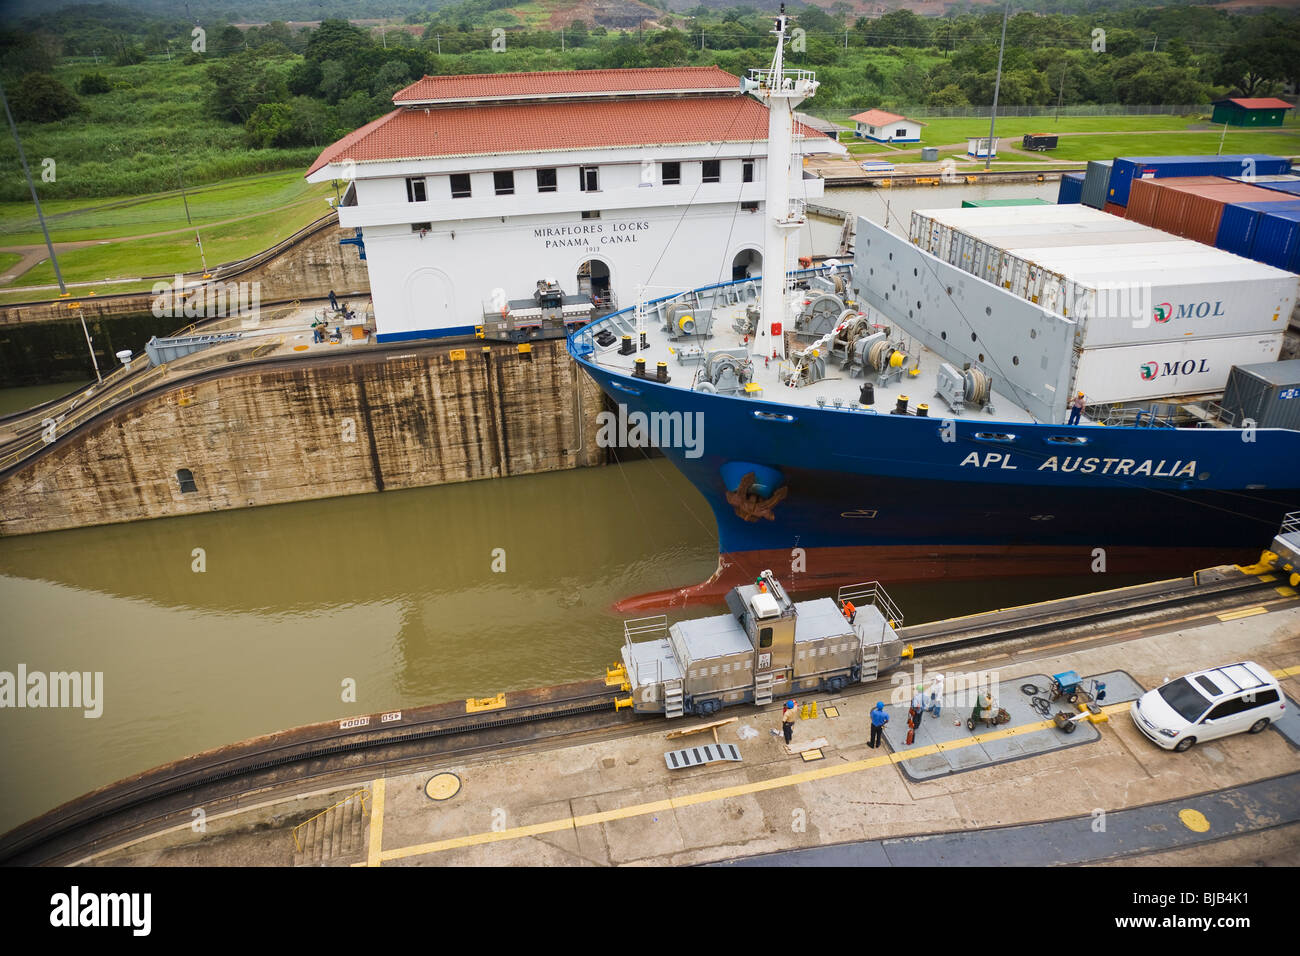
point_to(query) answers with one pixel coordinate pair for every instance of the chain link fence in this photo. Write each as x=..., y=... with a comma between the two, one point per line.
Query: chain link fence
x=982, y=112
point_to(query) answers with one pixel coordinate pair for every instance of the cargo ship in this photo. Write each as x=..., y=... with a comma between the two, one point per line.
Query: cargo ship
x=905, y=417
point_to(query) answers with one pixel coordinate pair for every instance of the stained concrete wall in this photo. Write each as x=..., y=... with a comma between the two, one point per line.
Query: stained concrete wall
x=306, y=265
x=296, y=430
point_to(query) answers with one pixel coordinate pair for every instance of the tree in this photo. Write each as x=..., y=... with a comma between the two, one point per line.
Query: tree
x=92, y=83
x=129, y=55
x=1257, y=60
x=336, y=40
x=950, y=95
x=243, y=82
x=42, y=99
x=270, y=125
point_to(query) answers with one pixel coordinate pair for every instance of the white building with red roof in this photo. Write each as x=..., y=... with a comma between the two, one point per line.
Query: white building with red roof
x=476, y=187
x=885, y=127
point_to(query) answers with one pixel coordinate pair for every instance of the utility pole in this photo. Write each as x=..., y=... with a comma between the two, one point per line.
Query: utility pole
x=54, y=260
x=997, y=85
x=1154, y=42
x=438, y=37
x=561, y=39
x=1222, y=137
x=1061, y=98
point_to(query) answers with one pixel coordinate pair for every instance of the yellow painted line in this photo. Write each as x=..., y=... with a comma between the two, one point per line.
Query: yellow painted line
x=1286, y=591
x=707, y=796
x=1287, y=672
x=374, y=852
x=1244, y=612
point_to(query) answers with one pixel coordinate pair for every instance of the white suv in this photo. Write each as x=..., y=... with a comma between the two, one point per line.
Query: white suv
x=1208, y=704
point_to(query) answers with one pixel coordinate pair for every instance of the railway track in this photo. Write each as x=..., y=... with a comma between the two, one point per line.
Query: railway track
x=317, y=755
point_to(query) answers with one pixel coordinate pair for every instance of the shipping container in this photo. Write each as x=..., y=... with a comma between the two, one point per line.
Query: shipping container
x=1114, y=209
x=1128, y=168
x=1071, y=190
x=1095, y=180
x=1136, y=373
x=1269, y=181
x=998, y=203
x=1268, y=395
x=1277, y=239
x=1191, y=207
x=1289, y=186
x=1237, y=228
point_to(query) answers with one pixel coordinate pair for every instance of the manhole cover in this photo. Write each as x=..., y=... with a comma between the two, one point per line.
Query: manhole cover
x=442, y=786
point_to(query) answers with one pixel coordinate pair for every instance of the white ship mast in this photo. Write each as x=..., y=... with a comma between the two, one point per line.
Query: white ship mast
x=780, y=90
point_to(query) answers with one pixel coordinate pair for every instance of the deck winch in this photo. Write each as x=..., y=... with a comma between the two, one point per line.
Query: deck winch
x=971, y=386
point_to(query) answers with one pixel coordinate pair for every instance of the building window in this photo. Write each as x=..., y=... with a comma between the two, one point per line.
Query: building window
x=672, y=174
x=504, y=182
x=901, y=133
x=546, y=181
x=595, y=214
x=185, y=478
x=749, y=206
x=589, y=179
x=415, y=190
x=421, y=226
x=460, y=186
x=747, y=171
x=712, y=171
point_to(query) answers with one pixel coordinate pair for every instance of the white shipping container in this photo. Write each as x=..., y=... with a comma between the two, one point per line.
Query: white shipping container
x=1168, y=369
x=1155, y=299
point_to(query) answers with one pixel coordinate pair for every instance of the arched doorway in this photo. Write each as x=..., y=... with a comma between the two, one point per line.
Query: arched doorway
x=594, y=282
x=747, y=264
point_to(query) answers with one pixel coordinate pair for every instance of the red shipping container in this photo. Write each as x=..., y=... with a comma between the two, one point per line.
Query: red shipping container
x=1115, y=209
x=1191, y=206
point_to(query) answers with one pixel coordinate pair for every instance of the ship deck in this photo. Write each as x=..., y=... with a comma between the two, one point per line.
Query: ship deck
x=684, y=358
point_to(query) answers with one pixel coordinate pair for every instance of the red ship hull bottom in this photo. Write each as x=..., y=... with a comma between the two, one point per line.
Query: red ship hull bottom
x=825, y=569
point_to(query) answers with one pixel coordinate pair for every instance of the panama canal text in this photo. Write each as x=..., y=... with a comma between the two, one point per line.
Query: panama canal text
x=1088, y=466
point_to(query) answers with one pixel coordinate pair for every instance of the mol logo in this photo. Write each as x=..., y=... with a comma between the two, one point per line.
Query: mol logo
x=1150, y=370
x=1163, y=313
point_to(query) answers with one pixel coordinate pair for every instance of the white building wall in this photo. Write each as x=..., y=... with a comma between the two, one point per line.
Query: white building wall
x=443, y=281
x=440, y=281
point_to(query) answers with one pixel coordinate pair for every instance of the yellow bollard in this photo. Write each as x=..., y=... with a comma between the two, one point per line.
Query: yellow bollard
x=814, y=710
x=803, y=712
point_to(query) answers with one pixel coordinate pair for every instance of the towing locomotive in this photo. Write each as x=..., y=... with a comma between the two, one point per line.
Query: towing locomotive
x=767, y=646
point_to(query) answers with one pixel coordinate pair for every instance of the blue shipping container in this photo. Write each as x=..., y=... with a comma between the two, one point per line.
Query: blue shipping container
x=1240, y=220
x=1277, y=239
x=1071, y=189
x=1128, y=168
x=1292, y=187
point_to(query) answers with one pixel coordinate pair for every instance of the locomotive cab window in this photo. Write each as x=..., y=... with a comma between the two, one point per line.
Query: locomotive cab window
x=765, y=637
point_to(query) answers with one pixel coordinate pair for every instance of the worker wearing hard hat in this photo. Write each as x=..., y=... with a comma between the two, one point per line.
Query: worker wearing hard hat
x=1076, y=408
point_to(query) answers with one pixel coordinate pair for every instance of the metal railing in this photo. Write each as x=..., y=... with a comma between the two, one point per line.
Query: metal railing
x=1290, y=523
x=363, y=795
x=872, y=593
x=646, y=628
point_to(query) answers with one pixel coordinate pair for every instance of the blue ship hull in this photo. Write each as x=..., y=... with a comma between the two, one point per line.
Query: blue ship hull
x=906, y=498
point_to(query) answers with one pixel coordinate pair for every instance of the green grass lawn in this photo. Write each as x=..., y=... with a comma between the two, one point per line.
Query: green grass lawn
x=7, y=259
x=74, y=220
x=162, y=255
x=1281, y=143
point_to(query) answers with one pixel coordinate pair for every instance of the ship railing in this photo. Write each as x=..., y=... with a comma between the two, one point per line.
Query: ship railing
x=582, y=341
x=639, y=630
x=872, y=593
x=1290, y=523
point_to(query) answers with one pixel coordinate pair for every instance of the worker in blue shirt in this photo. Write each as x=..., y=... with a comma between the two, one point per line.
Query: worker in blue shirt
x=878, y=720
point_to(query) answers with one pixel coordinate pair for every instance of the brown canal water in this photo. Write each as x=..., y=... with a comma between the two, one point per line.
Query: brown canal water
x=394, y=591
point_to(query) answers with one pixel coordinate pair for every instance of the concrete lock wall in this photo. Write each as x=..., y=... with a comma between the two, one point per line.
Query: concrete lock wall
x=306, y=265
x=292, y=431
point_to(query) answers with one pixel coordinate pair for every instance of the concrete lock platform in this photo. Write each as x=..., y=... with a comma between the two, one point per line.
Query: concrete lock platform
x=612, y=801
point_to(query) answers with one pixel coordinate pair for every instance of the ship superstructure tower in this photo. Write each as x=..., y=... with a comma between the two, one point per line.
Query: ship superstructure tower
x=781, y=91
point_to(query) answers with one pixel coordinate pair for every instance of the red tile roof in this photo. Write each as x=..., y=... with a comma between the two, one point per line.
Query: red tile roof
x=882, y=118
x=415, y=133
x=485, y=86
x=1260, y=103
